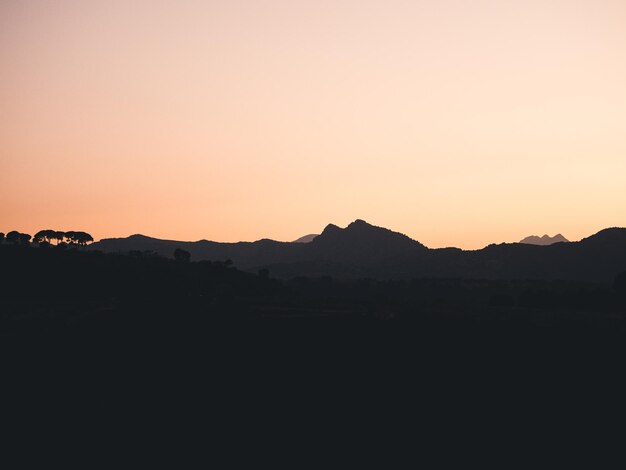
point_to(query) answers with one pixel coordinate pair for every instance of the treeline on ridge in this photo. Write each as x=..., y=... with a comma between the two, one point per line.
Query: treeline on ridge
x=44, y=238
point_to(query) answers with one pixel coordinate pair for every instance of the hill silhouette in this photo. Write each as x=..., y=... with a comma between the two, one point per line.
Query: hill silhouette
x=363, y=250
x=544, y=240
x=359, y=243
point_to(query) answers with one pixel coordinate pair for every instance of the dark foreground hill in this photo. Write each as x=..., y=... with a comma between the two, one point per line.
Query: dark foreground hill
x=362, y=250
x=52, y=289
x=198, y=336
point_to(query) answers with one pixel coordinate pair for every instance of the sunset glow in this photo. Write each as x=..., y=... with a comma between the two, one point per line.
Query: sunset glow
x=458, y=123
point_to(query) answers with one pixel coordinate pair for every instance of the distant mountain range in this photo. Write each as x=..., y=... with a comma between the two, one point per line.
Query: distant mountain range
x=306, y=239
x=544, y=240
x=362, y=250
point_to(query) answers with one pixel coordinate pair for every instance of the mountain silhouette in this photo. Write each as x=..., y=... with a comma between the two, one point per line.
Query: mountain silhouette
x=544, y=240
x=361, y=243
x=306, y=239
x=363, y=250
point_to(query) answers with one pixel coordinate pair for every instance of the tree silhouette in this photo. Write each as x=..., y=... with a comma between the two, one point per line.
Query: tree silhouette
x=58, y=236
x=71, y=237
x=43, y=236
x=39, y=236
x=49, y=234
x=83, y=238
x=13, y=237
x=78, y=238
x=86, y=238
x=182, y=255
x=1, y=237
x=24, y=238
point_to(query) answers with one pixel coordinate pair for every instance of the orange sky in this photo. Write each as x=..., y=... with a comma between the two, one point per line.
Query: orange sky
x=456, y=122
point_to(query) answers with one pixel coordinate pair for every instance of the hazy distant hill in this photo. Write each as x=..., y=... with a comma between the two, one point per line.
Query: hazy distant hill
x=306, y=239
x=362, y=250
x=544, y=240
x=246, y=255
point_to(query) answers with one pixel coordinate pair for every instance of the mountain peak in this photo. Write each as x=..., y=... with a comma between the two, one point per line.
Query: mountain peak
x=330, y=228
x=359, y=223
x=360, y=236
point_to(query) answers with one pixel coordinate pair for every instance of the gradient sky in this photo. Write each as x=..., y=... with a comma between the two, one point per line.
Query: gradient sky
x=459, y=123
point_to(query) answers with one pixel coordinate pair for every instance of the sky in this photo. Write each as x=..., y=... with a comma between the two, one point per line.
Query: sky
x=456, y=122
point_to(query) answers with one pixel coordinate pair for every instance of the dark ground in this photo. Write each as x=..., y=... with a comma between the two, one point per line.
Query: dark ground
x=50, y=291
x=141, y=344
